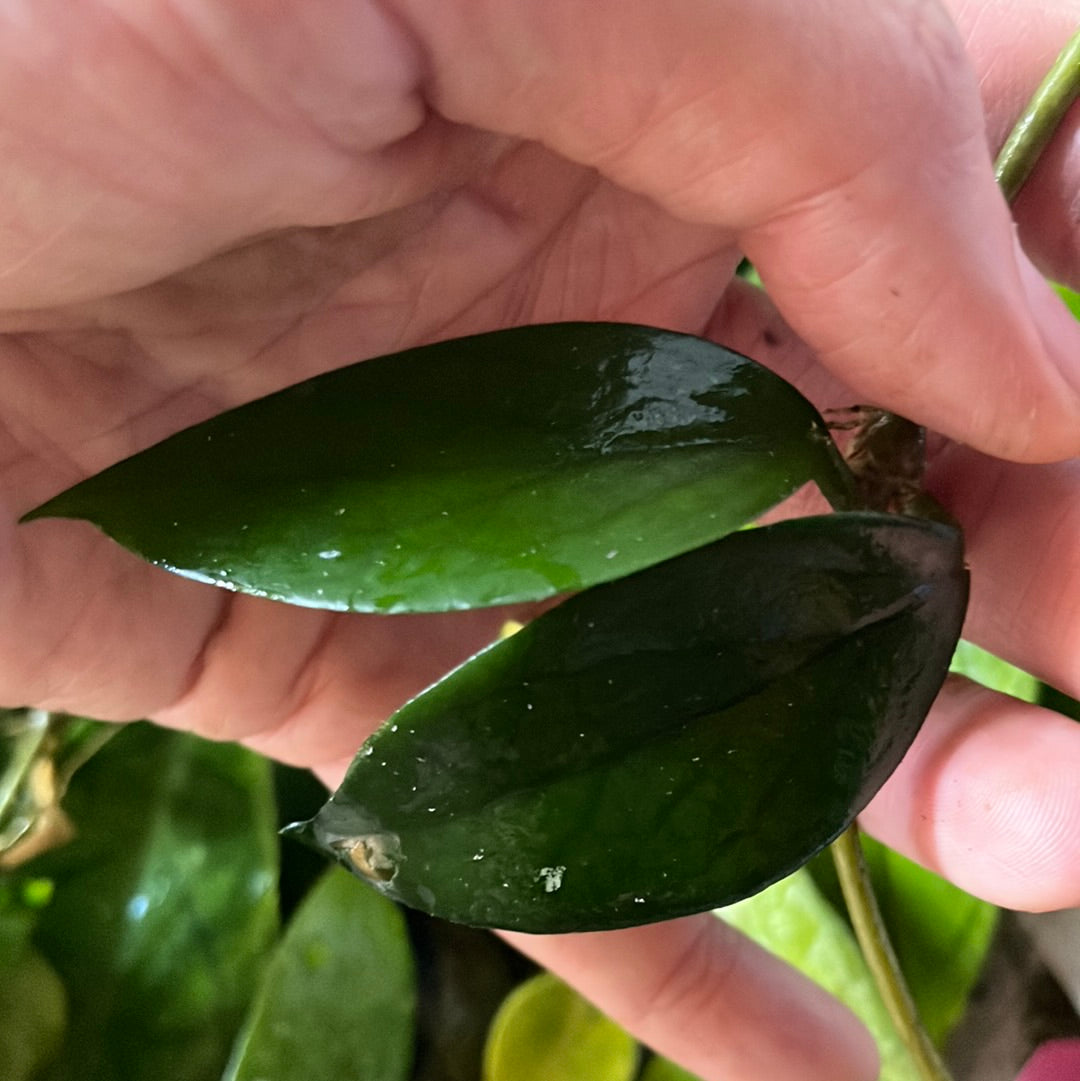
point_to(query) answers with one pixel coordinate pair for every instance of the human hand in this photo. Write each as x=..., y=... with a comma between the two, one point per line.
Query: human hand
x=203, y=204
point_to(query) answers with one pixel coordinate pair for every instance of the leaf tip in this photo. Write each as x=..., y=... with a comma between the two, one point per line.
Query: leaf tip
x=304, y=832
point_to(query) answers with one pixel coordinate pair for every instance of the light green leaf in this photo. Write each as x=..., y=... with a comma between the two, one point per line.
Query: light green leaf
x=983, y=667
x=1072, y=299
x=794, y=921
x=338, y=999
x=545, y=1031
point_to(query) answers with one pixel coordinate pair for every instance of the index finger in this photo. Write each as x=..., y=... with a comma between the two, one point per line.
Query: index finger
x=842, y=143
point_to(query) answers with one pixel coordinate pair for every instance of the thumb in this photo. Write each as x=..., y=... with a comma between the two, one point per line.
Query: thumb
x=841, y=143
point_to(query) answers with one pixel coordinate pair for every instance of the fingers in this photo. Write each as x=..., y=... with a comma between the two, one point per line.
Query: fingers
x=121, y=640
x=1021, y=522
x=1022, y=535
x=987, y=797
x=1012, y=46
x=697, y=991
x=869, y=206
x=845, y=145
x=140, y=138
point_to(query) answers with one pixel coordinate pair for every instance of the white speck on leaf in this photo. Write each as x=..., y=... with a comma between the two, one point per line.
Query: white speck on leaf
x=551, y=877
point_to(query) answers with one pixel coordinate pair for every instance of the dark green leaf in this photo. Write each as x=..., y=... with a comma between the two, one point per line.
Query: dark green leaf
x=545, y=1031
x=1052, y=698
x=339, y=996
x=666, y=743
x=164, y=906
x=504, y=467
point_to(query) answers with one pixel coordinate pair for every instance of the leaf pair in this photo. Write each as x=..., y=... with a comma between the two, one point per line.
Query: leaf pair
x=714, y=711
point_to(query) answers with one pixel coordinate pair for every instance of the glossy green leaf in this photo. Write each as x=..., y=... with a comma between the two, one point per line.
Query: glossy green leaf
x=795, y=922
x=662, y=744
x=505, y=467
x=545, y=1031
x=164, y=906
x=339, y=997
x=941, y=935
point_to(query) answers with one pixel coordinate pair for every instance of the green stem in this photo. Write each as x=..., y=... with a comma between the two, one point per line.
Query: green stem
x=1040, y=120
x=880, y=958
x=1026, y=142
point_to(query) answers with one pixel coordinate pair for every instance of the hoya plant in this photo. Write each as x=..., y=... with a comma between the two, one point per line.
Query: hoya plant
x=705, y=705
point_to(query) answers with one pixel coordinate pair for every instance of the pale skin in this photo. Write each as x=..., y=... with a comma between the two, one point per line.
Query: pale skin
x=203, y=201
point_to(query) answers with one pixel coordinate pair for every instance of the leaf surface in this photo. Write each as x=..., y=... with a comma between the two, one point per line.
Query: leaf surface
x=505, y=467
x=663, y=744
x=545, y=1031
x=339, y=997
x=164, y=906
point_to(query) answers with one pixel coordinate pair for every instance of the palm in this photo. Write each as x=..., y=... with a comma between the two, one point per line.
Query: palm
x=525, y=240
x=201, y=204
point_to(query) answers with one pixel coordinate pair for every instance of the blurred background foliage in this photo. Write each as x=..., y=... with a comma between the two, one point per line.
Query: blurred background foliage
x=153, y=924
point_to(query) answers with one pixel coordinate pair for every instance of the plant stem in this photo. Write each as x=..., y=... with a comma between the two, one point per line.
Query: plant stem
x=1026, y=142
x=879, y=954
x=1039, y=121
